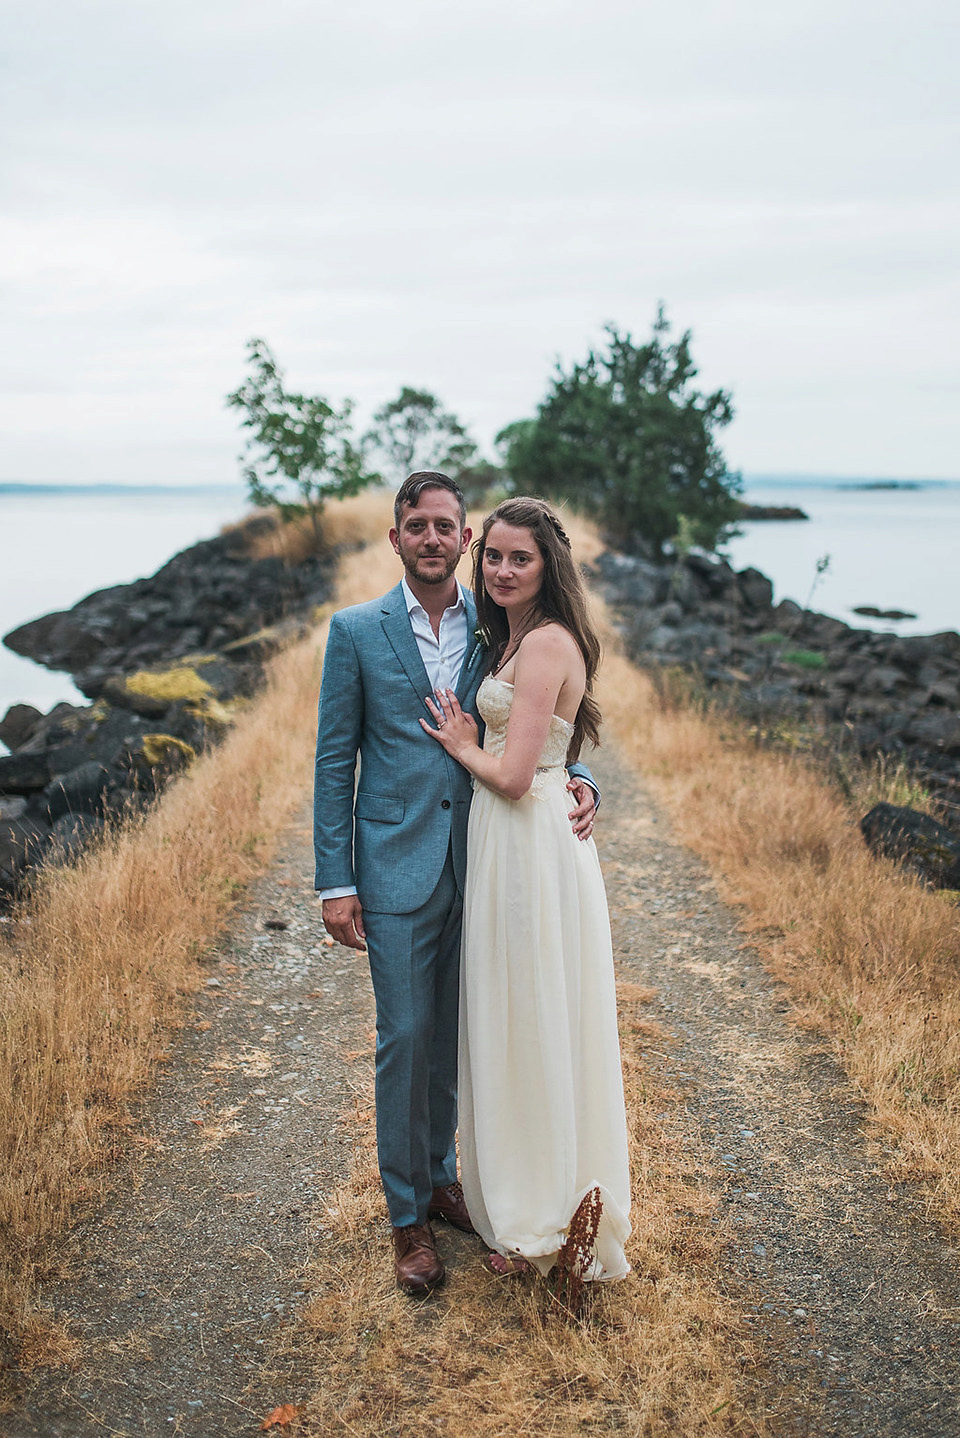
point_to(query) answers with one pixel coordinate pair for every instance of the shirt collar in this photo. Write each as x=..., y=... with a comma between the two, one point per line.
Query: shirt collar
x=412, y=602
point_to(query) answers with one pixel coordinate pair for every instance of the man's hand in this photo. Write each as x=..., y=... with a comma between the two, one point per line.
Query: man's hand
x=583, y=815
x=343, y=919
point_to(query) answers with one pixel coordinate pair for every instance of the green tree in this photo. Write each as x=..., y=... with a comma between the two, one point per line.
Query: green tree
x=627, y=439
x=478, y=480
x=299, y=452
x=413, y=432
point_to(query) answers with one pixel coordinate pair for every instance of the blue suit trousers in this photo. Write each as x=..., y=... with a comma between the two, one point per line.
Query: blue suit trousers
x=415, y=969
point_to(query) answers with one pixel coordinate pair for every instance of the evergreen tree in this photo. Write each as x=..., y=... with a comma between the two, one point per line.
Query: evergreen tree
x=626, y=439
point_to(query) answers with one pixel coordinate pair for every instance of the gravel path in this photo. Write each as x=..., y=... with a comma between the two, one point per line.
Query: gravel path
x=182, y=1280
x=853, y=1288
x=179, y=1286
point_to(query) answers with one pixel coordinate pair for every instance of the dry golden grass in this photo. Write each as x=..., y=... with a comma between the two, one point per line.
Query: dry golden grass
x=360, y=520
x=870, y=954
x=661, y=1352
x=102, y=951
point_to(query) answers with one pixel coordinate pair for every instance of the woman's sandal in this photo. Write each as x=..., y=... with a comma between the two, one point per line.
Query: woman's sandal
x=507, y=1265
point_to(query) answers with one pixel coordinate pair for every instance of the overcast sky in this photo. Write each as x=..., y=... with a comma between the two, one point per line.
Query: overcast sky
x=454, y=195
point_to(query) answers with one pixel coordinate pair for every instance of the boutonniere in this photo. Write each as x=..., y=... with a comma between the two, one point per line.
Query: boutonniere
x=481, y=637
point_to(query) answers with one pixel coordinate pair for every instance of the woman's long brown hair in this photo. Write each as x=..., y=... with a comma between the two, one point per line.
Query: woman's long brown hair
x=561, y=600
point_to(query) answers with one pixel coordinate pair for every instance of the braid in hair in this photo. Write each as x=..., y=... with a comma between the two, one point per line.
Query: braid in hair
x=559, y=530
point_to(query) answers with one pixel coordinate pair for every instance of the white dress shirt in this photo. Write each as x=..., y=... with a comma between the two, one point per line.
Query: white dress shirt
x=442, y=653
x=442, y=656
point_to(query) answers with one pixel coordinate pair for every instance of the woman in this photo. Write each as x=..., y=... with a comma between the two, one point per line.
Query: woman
x=540, y=1091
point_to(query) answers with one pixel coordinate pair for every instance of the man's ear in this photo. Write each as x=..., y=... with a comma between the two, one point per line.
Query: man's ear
x=465, y=539
x=394, y=538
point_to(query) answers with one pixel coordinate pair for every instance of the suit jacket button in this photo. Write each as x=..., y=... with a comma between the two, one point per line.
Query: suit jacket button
x=444, y=803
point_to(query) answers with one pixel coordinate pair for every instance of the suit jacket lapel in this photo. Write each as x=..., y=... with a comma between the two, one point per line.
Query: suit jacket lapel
x=474, y=651
x=396, y=626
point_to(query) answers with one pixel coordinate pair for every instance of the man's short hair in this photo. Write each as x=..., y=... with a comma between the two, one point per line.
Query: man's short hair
x=413, y=486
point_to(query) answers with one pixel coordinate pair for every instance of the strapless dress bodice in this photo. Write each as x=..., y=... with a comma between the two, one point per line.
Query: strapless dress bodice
x=494, y=701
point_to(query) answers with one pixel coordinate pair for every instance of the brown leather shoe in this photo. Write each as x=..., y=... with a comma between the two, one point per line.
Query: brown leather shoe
x=448, y=1203
x=418, y=1269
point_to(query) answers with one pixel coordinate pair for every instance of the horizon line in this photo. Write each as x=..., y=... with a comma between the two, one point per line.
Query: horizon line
x=15, y=486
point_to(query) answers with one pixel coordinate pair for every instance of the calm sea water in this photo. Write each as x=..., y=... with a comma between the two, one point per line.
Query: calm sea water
x=888, y=548
x=60, y=543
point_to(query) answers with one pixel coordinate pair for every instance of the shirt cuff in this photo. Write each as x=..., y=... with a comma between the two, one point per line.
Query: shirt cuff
x=340, y=893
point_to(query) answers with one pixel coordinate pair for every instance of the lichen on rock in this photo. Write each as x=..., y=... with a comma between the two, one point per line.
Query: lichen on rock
x=180, y=683
x=160, y=749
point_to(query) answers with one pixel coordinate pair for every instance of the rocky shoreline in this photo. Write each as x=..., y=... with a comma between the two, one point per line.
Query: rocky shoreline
x=166, y=661
x=869, y=693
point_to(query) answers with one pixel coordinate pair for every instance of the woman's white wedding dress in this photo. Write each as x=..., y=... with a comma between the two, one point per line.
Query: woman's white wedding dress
x=540, y=1089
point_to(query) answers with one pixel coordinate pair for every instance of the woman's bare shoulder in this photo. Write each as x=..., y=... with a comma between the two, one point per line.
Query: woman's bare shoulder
x=549, y=641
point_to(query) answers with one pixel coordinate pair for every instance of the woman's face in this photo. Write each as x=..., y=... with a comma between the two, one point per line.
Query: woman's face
x=512, y=567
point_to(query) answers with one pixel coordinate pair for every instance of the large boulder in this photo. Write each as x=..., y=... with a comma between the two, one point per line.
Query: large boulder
x=23, y=773
x=82, y=791
x=937, y=730
x=714, y=573
x=919, y=842
x=755, y=588
x=631, y=580
x=18, y=724
x=61, y=640
x=21, y=842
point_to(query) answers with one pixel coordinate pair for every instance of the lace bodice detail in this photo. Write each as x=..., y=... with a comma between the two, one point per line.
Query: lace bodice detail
x=494, y=701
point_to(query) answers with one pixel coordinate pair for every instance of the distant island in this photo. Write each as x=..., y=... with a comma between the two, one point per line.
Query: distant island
x=870, y=611
x=883, y=484
x=770, y=511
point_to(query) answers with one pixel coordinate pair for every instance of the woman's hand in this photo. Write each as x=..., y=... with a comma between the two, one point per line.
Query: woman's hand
x=456, y=731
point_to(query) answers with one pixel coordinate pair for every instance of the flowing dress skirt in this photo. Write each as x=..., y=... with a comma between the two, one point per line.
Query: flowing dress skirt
x=540, y=1087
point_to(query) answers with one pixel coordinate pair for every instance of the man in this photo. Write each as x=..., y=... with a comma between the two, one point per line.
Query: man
x=391, y=853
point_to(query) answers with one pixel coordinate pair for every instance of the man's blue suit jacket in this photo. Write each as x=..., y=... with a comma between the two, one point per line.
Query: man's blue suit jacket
x=387, y=833
x=390, y=836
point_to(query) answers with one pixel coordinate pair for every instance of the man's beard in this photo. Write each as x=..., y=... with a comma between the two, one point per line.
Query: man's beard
x=431, y=575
